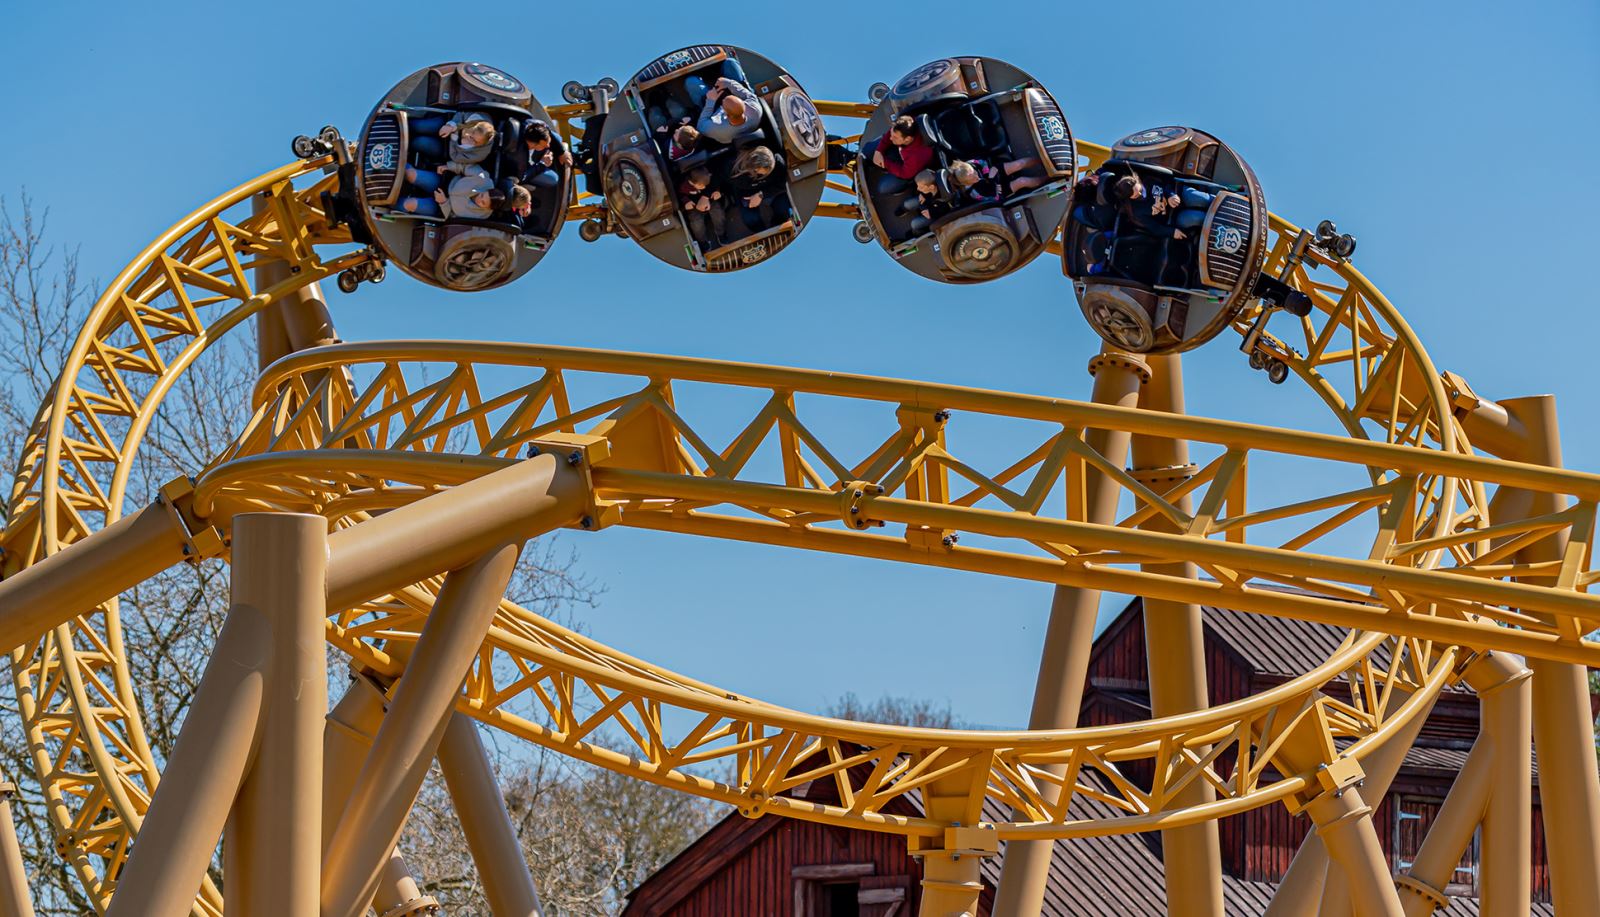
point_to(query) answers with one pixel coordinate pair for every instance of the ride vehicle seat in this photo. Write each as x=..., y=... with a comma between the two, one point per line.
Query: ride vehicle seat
x=973, y=129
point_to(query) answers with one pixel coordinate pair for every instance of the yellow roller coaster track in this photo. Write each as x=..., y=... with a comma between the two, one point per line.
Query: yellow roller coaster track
x=1431, y=585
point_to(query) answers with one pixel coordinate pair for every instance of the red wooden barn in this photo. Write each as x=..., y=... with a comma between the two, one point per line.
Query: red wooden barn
x=779, y=867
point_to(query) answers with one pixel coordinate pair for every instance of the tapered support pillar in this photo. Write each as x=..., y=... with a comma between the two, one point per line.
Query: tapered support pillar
x=412, y=729
x=121, y=555
x=1422, y=886
x=202, y=775
x=1505, y=697
x=1302, y=890
x=294, y=322
x=1064, y=661
x=271, y=844
x=15, y=898
x=952, y=866
x=1525, y=429
x=491, y=837
x=1344, y=822
x=352, y=725
x=1174, y=640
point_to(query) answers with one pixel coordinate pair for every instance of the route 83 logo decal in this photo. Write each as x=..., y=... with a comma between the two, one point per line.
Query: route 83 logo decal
x=677, y=59
x=1227, y=239
x=1052, y=127
x=381, y=156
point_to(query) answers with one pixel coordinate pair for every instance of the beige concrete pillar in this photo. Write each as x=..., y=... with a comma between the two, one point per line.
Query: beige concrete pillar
x=375, y=814
x=491, y=837
x=294, y=322
x=15, y=898
x=271, y=841
x=453, y=528
x=1174, y=642
x=347, y=738
x=1301, y=892
x=1422, y=886
x=1526, y=429
x=1069, y=636
x=1344, y=822
x=202, y=775
x=88, y=573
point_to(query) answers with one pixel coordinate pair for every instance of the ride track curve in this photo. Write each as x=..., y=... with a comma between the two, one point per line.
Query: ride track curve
x=349, y=430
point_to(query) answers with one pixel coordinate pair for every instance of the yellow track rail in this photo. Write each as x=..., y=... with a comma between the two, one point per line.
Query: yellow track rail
x=193, y=284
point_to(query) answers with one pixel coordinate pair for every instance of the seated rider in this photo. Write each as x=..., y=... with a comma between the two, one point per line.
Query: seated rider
x=901, y=152
x=1137, y=211
x=471, y=137
x=538, y=160
x=704, y=210
x=1186, y=207
x=1091, y=202
x=685, y=141
x=978, y=181
x=731, y=111
x=471, y=194
x=926, y=204
x=752, y=181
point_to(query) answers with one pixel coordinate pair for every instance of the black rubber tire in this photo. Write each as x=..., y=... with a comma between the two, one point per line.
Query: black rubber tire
x=329, y=134
x=1345, y=246
x=877, y=92
x=303, y=147
x=379, y=272
x=1258, y=360
x=610, y=86
x=590, y=230
x=1277, y=371
x=862, y=232
x=347, y=282
x=574, y=91
x=1327, y=229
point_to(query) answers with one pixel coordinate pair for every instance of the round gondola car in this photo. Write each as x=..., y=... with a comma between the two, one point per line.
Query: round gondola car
x=431, y=133
x=1169, y=269
x=740, y=192
x=997, y=158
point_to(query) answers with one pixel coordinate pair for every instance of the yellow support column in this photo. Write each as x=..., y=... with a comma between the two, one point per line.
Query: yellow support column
x=270, y=844
x=1064, y=661
x=952, y=865
x=15, y=898
x=1525, y=429
x=1174, y=639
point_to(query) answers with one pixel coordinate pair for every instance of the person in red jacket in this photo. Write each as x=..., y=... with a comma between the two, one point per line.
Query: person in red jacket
x=902, y=152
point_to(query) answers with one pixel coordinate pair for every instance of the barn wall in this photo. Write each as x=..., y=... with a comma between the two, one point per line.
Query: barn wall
x=757, y=883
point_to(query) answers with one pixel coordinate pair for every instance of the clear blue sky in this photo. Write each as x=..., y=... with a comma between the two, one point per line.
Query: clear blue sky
x=1452, y=138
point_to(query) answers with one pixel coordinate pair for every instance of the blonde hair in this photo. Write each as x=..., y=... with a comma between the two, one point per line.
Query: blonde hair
x=963, y=172
x=686, y=136
x=756, y=161
x=521, y=197
x=481, y=132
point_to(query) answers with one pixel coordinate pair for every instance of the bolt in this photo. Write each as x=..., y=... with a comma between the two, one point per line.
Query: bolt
x=294, y=269
x=857, y=494
x=587, y=522
x=575, y=458
x=951, y=539
x=940, y=416
x=854, y=510
x=533, y=450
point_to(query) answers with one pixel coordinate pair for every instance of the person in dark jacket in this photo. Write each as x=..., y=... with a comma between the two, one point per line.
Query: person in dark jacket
x=538, y=160
x=979, y=181
x=753, y=182
x=926, y=205
x=901, y=152
x=1137, y=211
x=703, y=209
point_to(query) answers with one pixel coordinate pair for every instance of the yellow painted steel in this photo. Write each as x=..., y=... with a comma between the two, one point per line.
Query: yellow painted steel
x=1425, y=571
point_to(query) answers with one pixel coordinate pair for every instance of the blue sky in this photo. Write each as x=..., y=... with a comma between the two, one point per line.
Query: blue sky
x=1449, y=137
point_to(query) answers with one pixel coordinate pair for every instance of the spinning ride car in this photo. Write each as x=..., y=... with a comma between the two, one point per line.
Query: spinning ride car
x=1171, y=281
x=456, y=245
x=647, y=189
x=974, y=109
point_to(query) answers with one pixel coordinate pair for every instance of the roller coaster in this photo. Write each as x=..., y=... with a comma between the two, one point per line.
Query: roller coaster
x=379, y=495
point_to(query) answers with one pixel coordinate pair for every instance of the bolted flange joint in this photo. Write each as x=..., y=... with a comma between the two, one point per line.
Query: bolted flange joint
x=853, y=505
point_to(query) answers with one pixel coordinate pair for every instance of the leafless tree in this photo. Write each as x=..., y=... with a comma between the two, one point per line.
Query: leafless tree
x=589, y=836
x=895, y=711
